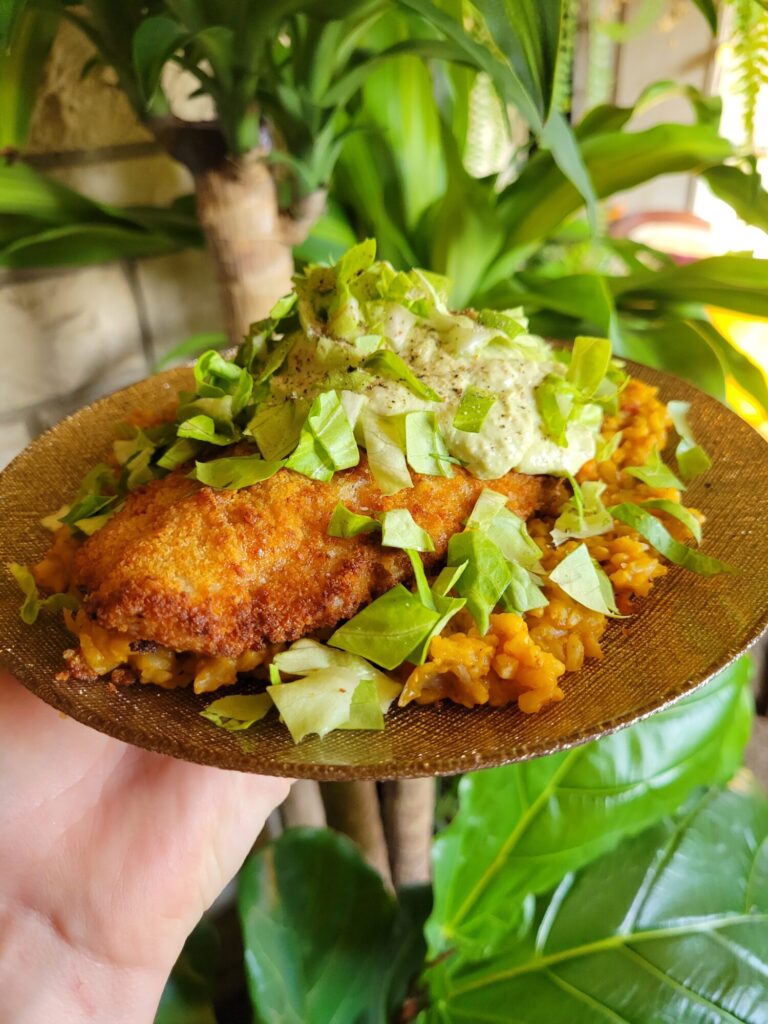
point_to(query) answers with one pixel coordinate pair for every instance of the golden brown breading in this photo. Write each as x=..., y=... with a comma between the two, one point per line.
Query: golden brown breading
x=219, y=572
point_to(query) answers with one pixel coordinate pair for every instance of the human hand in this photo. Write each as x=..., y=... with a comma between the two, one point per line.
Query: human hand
x=108, y=857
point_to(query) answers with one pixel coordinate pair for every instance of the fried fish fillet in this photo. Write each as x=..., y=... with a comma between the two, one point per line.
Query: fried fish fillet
x=220, y=572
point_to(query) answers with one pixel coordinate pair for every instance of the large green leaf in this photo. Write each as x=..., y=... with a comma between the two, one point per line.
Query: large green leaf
x=670, y=927
x=188, y=994
x=676, y=346
x=542, y=197
x=743, y=192
x=325, y=943
x=734, y=282
x=522, y=828
x=22, y=65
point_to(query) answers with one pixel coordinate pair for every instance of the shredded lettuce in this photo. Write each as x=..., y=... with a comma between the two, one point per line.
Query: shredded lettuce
x=655, y=473
x=524, y=592
x=387, y=630
x=217, y=377
x=580, y=576
x=234, y=473
x=181, y=451
x=486, y=576
x=435, y=598
x=555, y=403
x=202, y=428
x=677, y=511
x=473, y=408
x=486, y=508
x=398, y=528
x=386, y=363
x=316, y=704
x=425, y=447
x=590, y=359
x=591, y=378
x=654, y=531
x=345, y=523
x=691, y=458
x=276, y=427
x=384, y=440
x=33, y=603
x=605, y=449
x=327, y=442
x=583, y=515
x=240, y=711
x=365, y=710
x=305, y=656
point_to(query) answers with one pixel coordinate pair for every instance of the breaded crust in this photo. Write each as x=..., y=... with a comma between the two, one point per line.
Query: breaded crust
x=219, y=572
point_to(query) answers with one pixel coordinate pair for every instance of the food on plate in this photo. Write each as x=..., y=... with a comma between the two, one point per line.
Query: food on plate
x=376, y=499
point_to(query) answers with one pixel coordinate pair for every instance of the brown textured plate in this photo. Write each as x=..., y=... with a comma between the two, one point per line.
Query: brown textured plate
x=687, y=630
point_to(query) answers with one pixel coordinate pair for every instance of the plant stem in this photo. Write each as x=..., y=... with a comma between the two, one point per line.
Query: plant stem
x=238, y=210
x=303, y=806
x=409, y=815
x=353, y=808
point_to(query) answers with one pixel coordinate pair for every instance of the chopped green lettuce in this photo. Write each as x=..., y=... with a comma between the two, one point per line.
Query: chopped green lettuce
x=276, y=427
x=365, y=710
x=654, y=531
x=486, y=576
x=583, y=515
x=386, y=363
x=344, y=523
x=605, y=449
x=181, y=451
x=233, y=473
x=510, y=534
x=691, y=458
x=240, y=711
x=388, y=629
x=425, y=447
x=400, y=530
x=555, y=404
x=581, y=578
x=590, y=359
x=384, y=440
x=202, y=428
x=33, y=603
x=305, y=656
x=486, y=508
x=524, y=592
x=327, y=442
x=316, y=704
x=655, y=473
x=473, y=408
x=677, y=511
x=217, y=377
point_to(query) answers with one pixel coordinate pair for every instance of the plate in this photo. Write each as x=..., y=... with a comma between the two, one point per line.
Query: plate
x=686, y=631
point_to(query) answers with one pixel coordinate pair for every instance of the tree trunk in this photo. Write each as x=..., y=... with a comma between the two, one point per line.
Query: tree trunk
x=353, y=808
x=303, y=807
x=248, y=237
x=409, y=818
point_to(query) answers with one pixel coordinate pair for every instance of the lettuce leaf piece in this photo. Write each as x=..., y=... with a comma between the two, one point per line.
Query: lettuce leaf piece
x=486, y=508
x=510, y=534
x=216, y=377
x=181, y=451
x=555, y=403
x=240, y=711
x=388, y=629
x=437, y=599
x=447, y=579
x=234, y=473
x=366, y=344
x=655, y=473
x=92, y=505
x=202, y=428
x=524, y=592
x=275, y=358
x=422, y=583
x=276, y=427
x=400, y=530
x=657, y=535
x=486, y=576
x=52, y=522
x=274, y=675
x=365, y=710
x=605, y=449
x=677, y=511
x=581, y=578
x=327, y=442
x=425, y=447
x=33, y=603
x=344, y=523
x=473, y=408
x=386, y=363
x=305, y=656
x=318, y=703
x=384, y=440
x=583, y=515
x=691, y=458
x=353, y=403
x=590, y=359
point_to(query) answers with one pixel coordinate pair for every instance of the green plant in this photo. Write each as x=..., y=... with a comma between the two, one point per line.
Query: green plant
x=593, y=884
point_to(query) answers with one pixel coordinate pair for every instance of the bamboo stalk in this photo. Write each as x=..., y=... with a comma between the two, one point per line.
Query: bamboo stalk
x=353, y=808
x=409, y=816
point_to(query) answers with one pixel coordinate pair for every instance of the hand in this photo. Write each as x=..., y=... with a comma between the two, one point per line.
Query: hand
x=108, y=857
